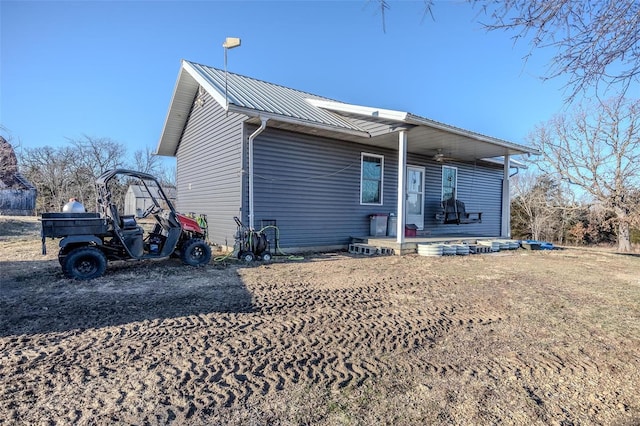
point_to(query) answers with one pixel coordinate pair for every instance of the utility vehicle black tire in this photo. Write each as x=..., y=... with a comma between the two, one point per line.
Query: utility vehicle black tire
x=62, y=255
x=84, y=263
x=266, y=257
x=195, y=252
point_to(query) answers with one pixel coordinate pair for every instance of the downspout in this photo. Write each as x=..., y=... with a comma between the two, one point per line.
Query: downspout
x=253, y=135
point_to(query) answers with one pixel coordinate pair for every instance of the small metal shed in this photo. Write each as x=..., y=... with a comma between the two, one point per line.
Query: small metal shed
x=138, y=198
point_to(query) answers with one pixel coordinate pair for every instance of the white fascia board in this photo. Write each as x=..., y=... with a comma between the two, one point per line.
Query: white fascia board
x=205, y=83
x=515, y=164
x=359, y=109
x=292, y=120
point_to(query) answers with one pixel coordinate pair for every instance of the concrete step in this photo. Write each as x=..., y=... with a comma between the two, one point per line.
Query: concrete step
x=369, y=250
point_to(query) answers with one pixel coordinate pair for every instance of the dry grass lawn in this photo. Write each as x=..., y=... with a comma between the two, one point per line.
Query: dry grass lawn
x=510, y=338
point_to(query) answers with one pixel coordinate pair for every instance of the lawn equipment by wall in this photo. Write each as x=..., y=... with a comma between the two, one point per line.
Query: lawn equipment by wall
x=90, y=240
x=251, y=244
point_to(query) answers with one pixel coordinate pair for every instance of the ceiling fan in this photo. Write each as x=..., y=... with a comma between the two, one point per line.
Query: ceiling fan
x=440, y=157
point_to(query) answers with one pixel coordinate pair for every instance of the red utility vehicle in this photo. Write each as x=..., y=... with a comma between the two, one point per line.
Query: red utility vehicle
x=89, y=240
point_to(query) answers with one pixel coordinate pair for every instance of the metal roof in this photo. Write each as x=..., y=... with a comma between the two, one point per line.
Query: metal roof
x=294, y=109
x=261, y=96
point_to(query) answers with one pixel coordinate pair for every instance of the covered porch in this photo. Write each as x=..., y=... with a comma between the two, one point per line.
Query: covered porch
x=407, y=133
x=413, y=136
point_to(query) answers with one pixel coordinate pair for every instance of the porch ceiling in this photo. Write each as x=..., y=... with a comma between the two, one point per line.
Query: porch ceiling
x=430, y=141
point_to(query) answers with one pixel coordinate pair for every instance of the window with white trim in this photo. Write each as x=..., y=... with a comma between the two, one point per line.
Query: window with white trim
x=449, y=182
x=371, y=178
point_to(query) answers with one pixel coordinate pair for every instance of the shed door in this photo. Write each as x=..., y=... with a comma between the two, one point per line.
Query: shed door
x=415, y=196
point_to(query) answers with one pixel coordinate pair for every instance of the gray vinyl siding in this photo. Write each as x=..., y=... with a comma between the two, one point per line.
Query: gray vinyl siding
x=311, y=187
x=209, y=160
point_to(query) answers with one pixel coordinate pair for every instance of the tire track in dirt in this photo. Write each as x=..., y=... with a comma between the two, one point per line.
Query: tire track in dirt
x=338, y=337
x=306, y=331
x=335, y=337
x=161, y=344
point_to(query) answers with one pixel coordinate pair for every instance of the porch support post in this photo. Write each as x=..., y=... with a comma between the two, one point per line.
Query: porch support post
x=402, y=184
x=505, y=230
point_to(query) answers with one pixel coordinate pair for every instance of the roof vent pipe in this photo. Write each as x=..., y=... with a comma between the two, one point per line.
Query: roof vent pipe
x=253, y=135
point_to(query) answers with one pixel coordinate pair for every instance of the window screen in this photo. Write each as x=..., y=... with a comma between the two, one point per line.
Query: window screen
x=371, y=179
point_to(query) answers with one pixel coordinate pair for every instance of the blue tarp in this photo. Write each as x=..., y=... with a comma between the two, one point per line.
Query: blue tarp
x=544, y=245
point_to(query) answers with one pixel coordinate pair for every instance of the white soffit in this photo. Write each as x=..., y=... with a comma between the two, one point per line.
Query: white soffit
x=388, y=114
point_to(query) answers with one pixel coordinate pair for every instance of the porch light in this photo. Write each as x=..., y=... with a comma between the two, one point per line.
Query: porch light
x=200, y=97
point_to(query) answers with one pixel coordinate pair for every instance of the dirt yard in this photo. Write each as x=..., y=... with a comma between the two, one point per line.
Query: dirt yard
x=516, y=337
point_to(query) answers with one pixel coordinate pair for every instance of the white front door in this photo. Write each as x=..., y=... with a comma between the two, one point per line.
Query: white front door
x=415, y=196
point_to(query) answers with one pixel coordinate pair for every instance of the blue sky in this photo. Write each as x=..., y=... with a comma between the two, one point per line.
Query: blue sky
x=108, y=69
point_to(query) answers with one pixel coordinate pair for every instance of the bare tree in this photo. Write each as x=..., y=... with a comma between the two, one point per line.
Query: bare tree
x=384, y=6
x=538, y=205
x=51, y=171
x=94, y=156
x=595, y=41
x=634, y=203
x=597, y=148
x=97, y=155
x=70, y=171
x=168, y=176
x=144, y=160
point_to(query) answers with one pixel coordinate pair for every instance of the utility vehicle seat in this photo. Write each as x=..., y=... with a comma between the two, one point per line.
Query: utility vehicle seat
x=128, y=222
x=132, y=234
